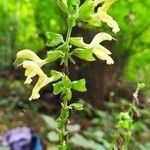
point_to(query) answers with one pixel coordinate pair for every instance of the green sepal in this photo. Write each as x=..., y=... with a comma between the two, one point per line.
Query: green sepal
x=57, y=88
x=56, y=74
x=77, y=106
x=53, y=39
x=73, y=6
x=78, y=42
x=63, y=5
x=85, y=54
x=86, y=10
x=54, y=55
x=79, y=85
x=71, y=60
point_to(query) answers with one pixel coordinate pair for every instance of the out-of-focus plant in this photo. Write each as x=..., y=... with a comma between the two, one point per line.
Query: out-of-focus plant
x=62, y=50
x=125, y=123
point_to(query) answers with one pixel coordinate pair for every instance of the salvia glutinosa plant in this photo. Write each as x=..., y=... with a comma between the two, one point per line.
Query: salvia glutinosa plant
x=93, y=12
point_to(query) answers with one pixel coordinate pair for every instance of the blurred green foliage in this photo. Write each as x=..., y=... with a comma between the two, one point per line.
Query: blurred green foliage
x=23, y=25
x=133, y=46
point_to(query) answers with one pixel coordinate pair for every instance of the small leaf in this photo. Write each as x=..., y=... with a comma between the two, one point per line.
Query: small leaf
x=53, y=55
x=72, y=128
x=53, y=136
x=86, y=10
x=56, y=75
x=78, y=42
x=85, y=54
x=63, y=5
x=66, y=82
x=126, y=124
x=71, y=60
x=57, y=88
x=49, y=121
x=79, y=85
x=73, y=6
x=141, y=86
x=77, y=106
x=53, y=39
x=68, y=95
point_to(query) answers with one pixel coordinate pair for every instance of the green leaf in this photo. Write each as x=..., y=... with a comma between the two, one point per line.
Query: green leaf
x=79, y=85
x=68, y=95
x=49, y=121
x=53, y=136
x=126, y=124
x=63, y=5
x=53, y=55
x=141, y=86
x=77, y=106
x=85, y=54
x=86, y=10
x=124, y=116
x=78, y=42
x=57, y=88
x=66, y=82
x=53, y=39
x=73, y=6
x=56, y=75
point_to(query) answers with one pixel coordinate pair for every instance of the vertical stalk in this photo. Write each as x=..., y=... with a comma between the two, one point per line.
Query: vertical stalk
x=64, y=113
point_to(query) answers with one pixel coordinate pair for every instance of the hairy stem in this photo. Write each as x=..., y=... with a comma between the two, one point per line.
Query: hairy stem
x=64, y=114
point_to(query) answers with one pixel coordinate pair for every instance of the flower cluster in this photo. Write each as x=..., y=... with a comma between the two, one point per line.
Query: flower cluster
x=33, y=65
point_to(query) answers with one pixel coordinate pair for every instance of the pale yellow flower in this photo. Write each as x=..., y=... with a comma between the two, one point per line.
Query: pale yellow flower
x=103, y=16
x=32, y=69
x=96, y=2
x=30, y=55
x=100, y=51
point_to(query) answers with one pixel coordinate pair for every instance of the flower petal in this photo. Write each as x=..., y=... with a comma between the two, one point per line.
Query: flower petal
x=28, y=54
x=107, y=4
x=42, y=81
x=100, y=37
x=103, y=56
x=103, y=16
x=96, y=2
x=102, y=48
x=32, y=66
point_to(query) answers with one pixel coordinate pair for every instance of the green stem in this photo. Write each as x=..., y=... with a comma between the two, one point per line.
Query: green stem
x=64, y=114
x=62, y=125
x=68, y=35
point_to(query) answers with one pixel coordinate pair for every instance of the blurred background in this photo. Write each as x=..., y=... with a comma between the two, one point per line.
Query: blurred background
x=23, y=24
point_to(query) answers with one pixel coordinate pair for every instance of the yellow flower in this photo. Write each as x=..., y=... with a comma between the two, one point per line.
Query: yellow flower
x=100, y=51
x=30, y=55
x=32, y=69
x=103, y=16
x=96, y=2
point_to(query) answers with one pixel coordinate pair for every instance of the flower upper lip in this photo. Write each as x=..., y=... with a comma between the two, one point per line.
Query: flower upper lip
x=102, y=15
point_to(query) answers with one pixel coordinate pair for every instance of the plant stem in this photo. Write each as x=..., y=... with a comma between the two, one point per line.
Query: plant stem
x=64, y=114
x=68, y=35
x=65, y=69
